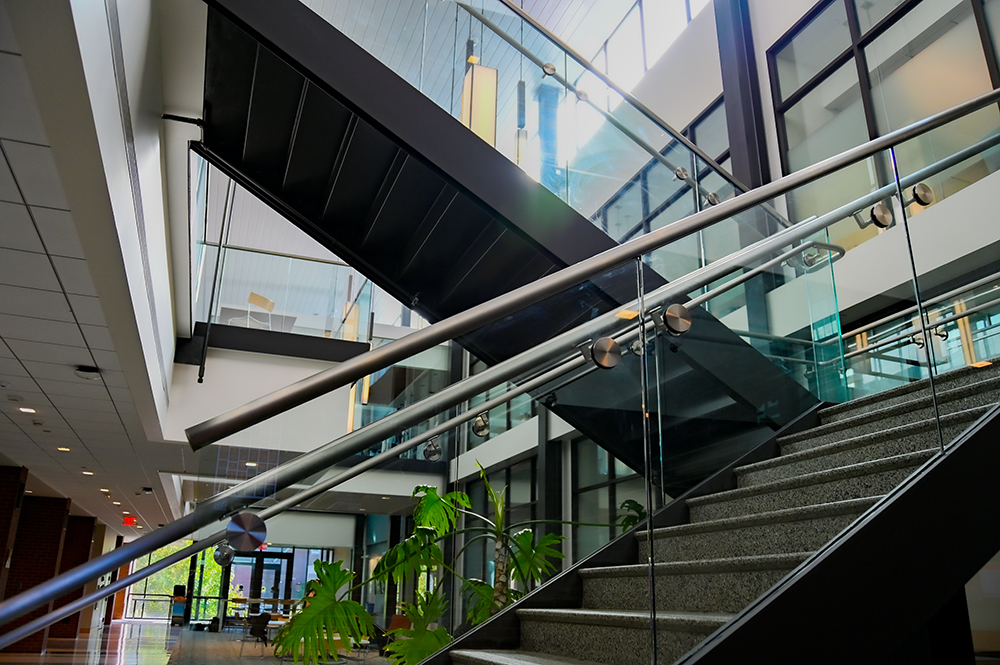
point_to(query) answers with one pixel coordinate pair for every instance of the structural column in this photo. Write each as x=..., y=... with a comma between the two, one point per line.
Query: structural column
x=12, y=480
x=76, y=550
x=37, y=553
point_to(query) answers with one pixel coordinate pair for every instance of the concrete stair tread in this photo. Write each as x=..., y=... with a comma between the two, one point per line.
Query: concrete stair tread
x=968, y=415
x=817, y=477
x=690, y=621
x=874, y=415
x=770, y=517
x=916, y=386
x=512, y=657
x=701, y=566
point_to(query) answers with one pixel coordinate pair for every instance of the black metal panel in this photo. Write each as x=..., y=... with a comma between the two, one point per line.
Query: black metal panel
x=319, y=133
x=274, y=106
x=366, y=164
x=413, y=194
x=230, y=60
x=418, y=240
x=887, y=575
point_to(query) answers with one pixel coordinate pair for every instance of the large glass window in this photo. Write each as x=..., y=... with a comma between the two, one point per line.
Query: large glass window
x=857, y=70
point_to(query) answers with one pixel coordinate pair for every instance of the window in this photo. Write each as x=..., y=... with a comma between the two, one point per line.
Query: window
x=851, y=71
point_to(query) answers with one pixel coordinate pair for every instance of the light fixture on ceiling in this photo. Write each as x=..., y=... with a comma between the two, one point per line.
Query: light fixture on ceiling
x=125, y=512
x=26, y=409
x=104, y=489
x=88, y=372
x=116, y=503
x=88, y=473
x=138, y=526
x=14, y=398
x=385, y=498
x=251, y=463
x=28, y=492
x=5, y=384
x=63, y=449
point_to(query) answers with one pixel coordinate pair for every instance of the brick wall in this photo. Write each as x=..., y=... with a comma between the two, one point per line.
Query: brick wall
x=12, y=479
x=37, y=552
x=76, y=550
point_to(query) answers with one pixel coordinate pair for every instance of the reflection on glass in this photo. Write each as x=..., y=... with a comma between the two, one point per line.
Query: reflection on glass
x=812, y=49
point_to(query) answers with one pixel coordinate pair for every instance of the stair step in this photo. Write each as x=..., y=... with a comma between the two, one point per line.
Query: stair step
x=776, y=532
x=511, y=657
x=618, y=637
x=707, y=585
x=856, y=481
x=905, y=393
x=900, y=440
x=953, y=400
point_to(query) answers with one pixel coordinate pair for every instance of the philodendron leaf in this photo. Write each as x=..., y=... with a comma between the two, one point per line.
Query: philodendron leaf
x=637, y=514
x=410, y=557
x=438, y=512
x=480, y=601
x=531, y=561
x=412, y=645
x=306, y=636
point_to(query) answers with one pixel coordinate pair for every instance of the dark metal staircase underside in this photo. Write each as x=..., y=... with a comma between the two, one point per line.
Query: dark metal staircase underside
x=321, y=131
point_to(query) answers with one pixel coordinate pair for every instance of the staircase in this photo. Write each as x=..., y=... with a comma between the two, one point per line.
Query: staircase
x=741, y=542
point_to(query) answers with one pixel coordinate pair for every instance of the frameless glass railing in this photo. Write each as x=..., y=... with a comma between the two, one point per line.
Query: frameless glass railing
x=542, y=106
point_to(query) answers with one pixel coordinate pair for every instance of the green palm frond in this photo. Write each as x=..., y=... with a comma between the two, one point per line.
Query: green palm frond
x=410, y=557
x=308, y=635
x=531, y=561
x=438, y=512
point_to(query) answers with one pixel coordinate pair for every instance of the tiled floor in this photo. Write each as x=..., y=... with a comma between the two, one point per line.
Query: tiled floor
x=122, y=643
x=131, y=642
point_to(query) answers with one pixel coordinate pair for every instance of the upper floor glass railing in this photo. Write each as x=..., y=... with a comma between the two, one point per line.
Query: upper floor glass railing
x=541, y=105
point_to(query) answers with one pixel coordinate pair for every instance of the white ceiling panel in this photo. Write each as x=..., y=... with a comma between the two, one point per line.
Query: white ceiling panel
x=27, y=269
x=75, y=416
x=16, y=228
x=114, y=378
x=40, y=330
x=5, y=351
x=19, y=385
x=98, y=337
x=106, y=360
x=75, y=275
x=94, y=440
x=34, y=302
x=8, y=188
x=35, y=172
x=7, y=40
x=63, y=402
x=11, y=367
x=19, y=117
x=97, y=427
x=87, y=310
x=121, y=395
x=58, y=232
x=92, y=390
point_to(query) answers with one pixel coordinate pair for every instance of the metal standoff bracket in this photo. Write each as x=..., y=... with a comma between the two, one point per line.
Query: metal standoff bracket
x=677, y=319
x=606, y=353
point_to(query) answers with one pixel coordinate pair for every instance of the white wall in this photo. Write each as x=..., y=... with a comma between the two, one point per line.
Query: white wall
x=233, y=378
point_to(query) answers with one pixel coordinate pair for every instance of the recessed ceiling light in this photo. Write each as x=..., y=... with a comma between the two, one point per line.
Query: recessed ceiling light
x=63, y=449
x=385, y=498
x=88, y=372
x=251, y=463
x=125, y=512
x=88, y=473
x=28, y=492
x=104, y=489
x=138, y=526
x=26, y=409
x=361, y=509
x=116, y=503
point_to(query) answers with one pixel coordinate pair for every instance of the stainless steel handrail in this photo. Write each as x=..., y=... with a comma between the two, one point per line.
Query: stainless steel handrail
x=352, y=370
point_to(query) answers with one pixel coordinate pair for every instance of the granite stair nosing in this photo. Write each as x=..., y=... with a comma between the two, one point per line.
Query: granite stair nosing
x=975, y=394
x=864, y=440
x=700, y=566
x=681, y=621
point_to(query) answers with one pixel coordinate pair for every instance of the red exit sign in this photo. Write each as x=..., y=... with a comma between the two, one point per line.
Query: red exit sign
x=128, y=520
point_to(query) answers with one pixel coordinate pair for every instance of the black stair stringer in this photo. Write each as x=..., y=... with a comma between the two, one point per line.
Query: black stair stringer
x=565, y=590
x=875, y=587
